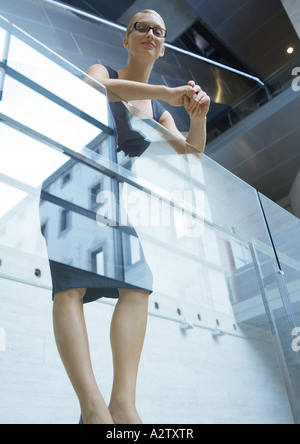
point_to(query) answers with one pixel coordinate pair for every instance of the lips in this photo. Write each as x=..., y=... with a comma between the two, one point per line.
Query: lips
x=149, y=44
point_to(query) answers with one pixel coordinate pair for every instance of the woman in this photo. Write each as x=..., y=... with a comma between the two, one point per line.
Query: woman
x=145, y=42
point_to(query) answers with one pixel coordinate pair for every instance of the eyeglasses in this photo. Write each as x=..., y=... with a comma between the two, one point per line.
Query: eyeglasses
x=144, y=28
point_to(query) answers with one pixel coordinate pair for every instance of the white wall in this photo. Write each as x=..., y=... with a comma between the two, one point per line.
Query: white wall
x=185, y=377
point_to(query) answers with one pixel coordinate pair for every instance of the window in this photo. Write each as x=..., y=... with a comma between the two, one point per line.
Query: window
x=241, y=253
x=44, y=229
x=98, y=149
x=132, y=250
x=98, y=262
x=66, y=178
x=65, y=220
x=94, y=194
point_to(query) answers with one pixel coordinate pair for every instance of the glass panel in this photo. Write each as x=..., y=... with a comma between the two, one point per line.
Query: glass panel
x=89, y=39
x=55, y=79
x=19, y=150
x=47, y=117
x=284, y=289
x=178, y=225
x=2, y=42
x=10, y=197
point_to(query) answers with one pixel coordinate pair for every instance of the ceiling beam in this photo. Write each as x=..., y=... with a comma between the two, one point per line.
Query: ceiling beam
x=292, y=8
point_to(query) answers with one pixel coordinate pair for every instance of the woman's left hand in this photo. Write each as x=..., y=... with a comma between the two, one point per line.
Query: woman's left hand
x=197, y=102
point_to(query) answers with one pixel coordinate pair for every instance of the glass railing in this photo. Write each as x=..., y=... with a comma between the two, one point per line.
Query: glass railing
x=88, y=39
x=235, y=94
x=223, y=261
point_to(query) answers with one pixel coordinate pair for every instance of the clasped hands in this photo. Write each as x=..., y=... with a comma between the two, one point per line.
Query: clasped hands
x=191, y=96
x=196, y=101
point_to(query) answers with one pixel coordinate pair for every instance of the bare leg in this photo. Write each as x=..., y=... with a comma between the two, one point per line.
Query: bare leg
x=128, y=330
x=72, y=343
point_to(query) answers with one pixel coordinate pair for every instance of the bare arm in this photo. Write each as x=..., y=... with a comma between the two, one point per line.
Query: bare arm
x=197, y=105
x=194, y=143
x=127, y=90
x=190, y=96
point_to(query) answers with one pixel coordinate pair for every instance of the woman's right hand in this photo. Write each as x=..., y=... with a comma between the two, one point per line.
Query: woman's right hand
x=176, y=96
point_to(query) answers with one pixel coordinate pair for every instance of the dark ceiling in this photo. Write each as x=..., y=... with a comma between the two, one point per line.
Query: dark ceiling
x=252, y=35
x=109, y=10
x=257, y=32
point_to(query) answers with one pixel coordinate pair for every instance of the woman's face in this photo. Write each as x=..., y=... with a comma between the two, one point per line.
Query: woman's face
x=146, y=44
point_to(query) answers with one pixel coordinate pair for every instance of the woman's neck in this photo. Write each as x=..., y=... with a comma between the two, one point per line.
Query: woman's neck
x=136, y=72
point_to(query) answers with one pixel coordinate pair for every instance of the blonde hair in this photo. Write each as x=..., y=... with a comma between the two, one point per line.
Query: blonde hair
x=135, y=19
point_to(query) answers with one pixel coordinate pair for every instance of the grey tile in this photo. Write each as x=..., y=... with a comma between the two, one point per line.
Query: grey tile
x=24, y=8
x=100, y=50
x=113, y=60
x=156, y=78
x=84, y=27
x=52, y=38
x=82, y=62
x=180, y=73
x=171, y=57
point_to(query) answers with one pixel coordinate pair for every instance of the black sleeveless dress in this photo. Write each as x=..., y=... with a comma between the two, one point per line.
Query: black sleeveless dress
x=74, y=252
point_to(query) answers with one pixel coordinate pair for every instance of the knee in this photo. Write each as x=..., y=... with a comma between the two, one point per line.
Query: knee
x=127, y=292
x=72, y=293
x=136, y=296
